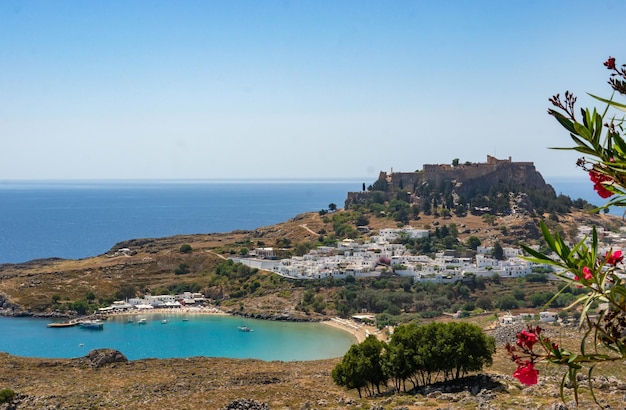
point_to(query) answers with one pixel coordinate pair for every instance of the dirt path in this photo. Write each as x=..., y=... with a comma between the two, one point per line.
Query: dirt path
x=308, y=229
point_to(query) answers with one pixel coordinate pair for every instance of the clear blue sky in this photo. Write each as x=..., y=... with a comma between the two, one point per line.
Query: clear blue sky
x=292, y=89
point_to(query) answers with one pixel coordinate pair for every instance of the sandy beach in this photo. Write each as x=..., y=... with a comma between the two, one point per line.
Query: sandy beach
x=358, y=330
x=195, y=310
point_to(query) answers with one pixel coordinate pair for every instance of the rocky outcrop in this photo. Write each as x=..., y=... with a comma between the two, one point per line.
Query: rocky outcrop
x=246, y=404
x=468, y=180
x=9, y=309
x=102, y=357
x=286, y=317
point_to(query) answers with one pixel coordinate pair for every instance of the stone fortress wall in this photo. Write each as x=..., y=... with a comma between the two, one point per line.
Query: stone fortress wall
x=493, y=171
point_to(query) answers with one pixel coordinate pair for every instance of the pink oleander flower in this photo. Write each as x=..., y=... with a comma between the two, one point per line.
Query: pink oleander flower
x=577, y=279
x=587, y=273
x=614, y=258
x=598, y=178
x=526, y=339
x=610, y=63
x=526, y=373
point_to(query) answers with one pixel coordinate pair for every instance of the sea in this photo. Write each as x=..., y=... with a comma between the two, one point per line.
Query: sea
x=74, y=220
x=80, y=219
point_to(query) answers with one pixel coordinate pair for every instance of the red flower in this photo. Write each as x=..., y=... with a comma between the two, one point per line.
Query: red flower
x=587, y=273
x=614, y=258
x=526, y=373
x=610, y=63
x=598, y=178
x=526, y=338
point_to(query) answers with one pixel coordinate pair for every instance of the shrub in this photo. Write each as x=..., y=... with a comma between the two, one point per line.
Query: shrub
x=182, y=269
x=185, y=248
x=6, y=396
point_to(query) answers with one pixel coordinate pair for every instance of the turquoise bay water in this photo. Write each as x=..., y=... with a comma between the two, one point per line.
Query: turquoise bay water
x=200, y=335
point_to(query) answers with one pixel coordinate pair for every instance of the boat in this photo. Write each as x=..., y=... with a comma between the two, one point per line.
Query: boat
x=63, y=324
x=91, y=324
x=142, y=321
x=164, y=321
x=244, y=329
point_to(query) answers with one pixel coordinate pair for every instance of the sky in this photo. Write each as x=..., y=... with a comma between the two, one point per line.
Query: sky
x=292, y=89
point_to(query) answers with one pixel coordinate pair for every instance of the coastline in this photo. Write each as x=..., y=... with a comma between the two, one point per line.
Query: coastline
x=357, y=330
x=171, y=311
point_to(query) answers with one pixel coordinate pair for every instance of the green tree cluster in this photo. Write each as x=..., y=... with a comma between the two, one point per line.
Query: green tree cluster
x=415, y=354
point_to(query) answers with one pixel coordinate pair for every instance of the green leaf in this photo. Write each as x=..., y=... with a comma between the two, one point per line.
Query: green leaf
x=582, y=131
x=564, y=121
x=612, y=103
x=598, y=126
x=590, y=381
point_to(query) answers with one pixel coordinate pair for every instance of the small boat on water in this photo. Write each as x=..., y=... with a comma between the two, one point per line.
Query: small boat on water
x=244, y=329
x=70, y=323
x=164, y=321
x=91, y=324
x=142, y=321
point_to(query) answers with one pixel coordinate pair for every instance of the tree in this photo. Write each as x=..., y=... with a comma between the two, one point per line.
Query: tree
x=473, y=242
x=399, y=360
x=489, y=219
x=350, y=373
x=80, y=306
x=484, y=302
x=497, y=252
x=126, y=292
x=361, y=368
x=332, y=207
x=182, y=269
x=185, y=248
x=506, y=302
x=455, y=162
x=362, y=220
